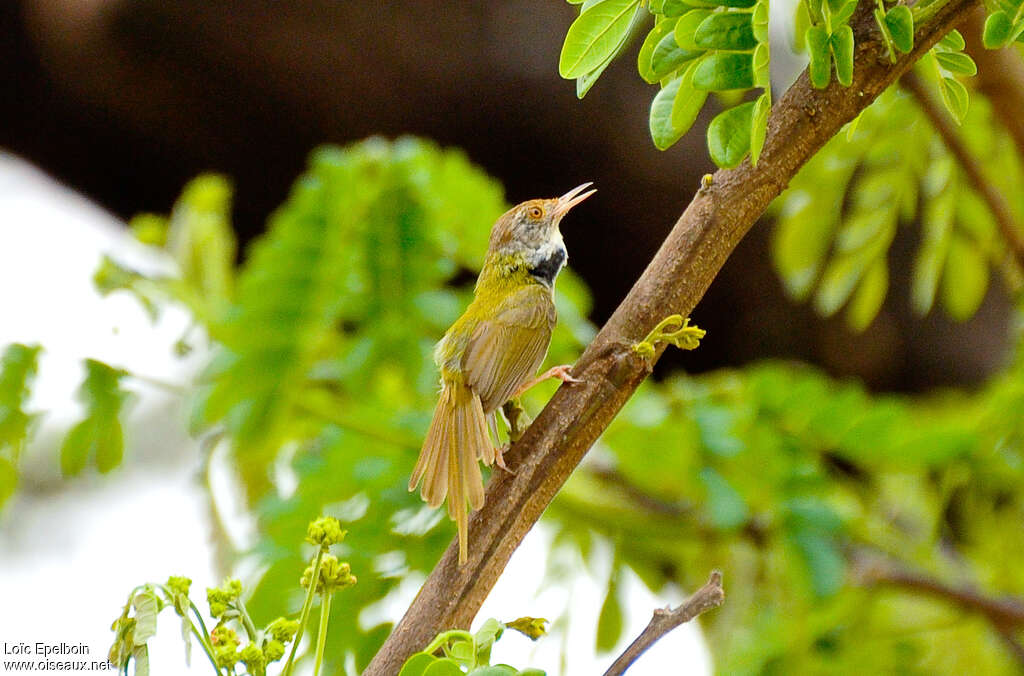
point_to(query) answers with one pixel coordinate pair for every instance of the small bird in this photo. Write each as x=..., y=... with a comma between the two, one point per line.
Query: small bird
x=490, y=353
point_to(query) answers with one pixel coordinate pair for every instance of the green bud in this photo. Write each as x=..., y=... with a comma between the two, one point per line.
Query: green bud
x=220, y=598
x=225, y=646
x=179, y=585
x=253, y=658
x=325, y=531
x=534, y=627
x=283, y=629
x=334, y=575
x=274, y=650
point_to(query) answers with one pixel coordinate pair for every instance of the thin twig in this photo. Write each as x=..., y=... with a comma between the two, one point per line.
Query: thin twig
x=972, y=168
x=711, y=595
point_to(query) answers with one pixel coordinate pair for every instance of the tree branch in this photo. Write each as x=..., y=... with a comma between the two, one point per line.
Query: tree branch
x=1005, y=614
x=951, y=138
x=711, y=595
x=802, y=121
x=1002, y=612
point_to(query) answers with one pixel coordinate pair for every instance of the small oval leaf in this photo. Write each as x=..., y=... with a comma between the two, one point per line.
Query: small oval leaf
x=722, y=71
x=729, y=135
x=998, y=30
x=842, y=49
x=900, y=22
x=820, y=68
x=957, y=63
x=686, y=27
x=595, y=34
x=732, y=31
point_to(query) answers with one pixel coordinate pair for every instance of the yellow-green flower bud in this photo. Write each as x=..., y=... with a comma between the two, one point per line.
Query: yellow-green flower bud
x=225, y=646
x=283, y=629
x=534, y=627
x=221, y=597
x=334, y=575
x=325, y=531
x=253, y=658
x=179, y=585
x=274, y=650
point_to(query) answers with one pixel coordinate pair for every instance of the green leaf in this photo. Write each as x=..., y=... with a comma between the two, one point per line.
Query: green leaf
x=594, y=35
x=676, y=8
x=495, y=670
x=645, y=59
x=687, y=25
x=18, y=367
x=201, y=239
x=952, y=41
x=610, y=622
x=443, y=667
x=998, y=30
x=146, y=609
x=824, y=561
x=964, y=280
x=99, y=434
x=417, y=664
x=819, y=50
x=842, y=49
x=760, y=21
x=737, y=4
x=759, y=125
x=839, y=280
x=801, y=22
x=957, y=63
x=586, y=81
x=762, y=66
x=727, y=508
x=668, y=56
x=141, y=656
x=843, y=12
x=868, y=298
x=729, y=135
x=900, y=22
x=663, y=132
x=731, y=31
x=722, y=71
x=8, y=480
x=688, y=103
x=955, y=98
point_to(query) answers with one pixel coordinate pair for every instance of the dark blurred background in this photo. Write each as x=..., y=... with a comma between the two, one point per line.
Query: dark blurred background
x=126, y=100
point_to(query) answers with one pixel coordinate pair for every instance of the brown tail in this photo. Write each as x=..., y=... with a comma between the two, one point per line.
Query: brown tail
x=448, y=463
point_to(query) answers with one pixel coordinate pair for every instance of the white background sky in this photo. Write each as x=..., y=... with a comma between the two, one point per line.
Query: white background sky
x=70, y=550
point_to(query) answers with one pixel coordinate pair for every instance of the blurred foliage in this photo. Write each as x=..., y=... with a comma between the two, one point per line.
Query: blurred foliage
x=18, y=366
x=321, y=385
x=840, y=215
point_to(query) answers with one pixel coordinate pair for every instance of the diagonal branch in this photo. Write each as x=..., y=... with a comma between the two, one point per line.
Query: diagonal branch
x=716, y=220
x=711, y=595
x=943, y=125
x=1005, y=614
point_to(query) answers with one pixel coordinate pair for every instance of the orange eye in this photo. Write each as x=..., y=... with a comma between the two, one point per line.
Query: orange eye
x=535, y=213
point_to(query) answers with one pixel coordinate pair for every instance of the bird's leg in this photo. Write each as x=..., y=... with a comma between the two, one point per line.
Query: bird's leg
x=560, y=372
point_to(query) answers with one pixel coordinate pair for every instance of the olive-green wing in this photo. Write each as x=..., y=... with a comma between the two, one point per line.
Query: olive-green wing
x=505, y=351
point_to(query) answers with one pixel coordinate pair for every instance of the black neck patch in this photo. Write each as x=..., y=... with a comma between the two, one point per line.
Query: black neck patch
x=547, y=269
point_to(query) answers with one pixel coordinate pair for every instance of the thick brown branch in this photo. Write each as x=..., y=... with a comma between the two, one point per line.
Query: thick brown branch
x=711, y=595
x=946, y=129
x=719, y=216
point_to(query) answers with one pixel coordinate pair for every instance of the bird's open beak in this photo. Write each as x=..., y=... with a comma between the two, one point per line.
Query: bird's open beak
x=573, y=197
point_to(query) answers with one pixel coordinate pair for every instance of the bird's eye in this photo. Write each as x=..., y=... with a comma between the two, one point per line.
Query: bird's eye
x=535, y=212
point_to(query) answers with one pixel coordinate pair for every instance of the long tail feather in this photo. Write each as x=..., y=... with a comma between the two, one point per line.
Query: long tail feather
x=448, y=466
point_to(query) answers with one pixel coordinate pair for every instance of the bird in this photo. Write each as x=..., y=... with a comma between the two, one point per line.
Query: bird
x=492, y=352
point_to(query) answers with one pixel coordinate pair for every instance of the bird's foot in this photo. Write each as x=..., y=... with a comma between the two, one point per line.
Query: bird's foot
x=499, y=457
x=560, y=372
